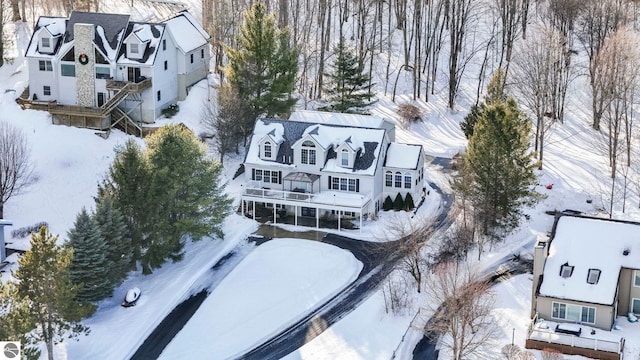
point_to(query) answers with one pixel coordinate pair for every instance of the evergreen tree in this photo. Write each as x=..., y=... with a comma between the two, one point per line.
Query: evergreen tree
x=495, y=93
x=263, y=68
x=408, y=202
x=387, y=204
x=398, y=203
x=348, y=84
x=119, y=249
x=43, y=275
x=501, y=168
x=89, y=268
x=16, y=321
x=127, y=184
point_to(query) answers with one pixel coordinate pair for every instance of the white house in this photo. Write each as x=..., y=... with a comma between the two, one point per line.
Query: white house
x=336, y=167
x=95, y=69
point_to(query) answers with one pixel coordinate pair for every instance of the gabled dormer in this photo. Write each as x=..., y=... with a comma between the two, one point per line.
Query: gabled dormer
x=138, y=41
x=348, y=151
x=269, y=145
x=48, y=38
x=308, y=152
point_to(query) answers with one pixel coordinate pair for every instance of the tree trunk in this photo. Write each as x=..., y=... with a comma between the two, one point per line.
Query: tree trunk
x=15, y=9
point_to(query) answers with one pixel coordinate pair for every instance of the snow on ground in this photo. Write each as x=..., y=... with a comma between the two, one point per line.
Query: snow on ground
x=269, y=290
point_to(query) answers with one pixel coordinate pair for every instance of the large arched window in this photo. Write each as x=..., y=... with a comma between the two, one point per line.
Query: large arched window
x=267, y=149
x=407, y=181
x=308, y=154
x=388, y=179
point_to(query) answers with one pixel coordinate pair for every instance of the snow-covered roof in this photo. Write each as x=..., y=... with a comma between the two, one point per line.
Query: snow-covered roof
x=326, y=136
x=151, y=34
x=589, y=243
x=187, y=32
x=331, y=118
x=45, y=23
x=403, y=156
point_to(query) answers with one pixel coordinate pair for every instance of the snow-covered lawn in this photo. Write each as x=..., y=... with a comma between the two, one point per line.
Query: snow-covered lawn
x=277, y=283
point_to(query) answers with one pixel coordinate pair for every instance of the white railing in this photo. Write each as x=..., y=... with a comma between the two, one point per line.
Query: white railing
x=354, y=201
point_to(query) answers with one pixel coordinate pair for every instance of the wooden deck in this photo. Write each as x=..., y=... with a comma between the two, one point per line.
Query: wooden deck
x=100, y=118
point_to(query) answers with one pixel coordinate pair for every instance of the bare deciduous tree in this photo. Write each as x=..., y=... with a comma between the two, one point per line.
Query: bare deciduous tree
x=15, y=164
x=464, y=314
x=541, y=74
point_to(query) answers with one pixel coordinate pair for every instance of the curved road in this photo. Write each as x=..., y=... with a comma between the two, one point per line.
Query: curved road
x=378, y=259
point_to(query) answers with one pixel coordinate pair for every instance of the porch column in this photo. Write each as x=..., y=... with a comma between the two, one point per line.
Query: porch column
x=295, y=215
x=339, y=215
x=274, y=213
x=360, y=228
x=317, y=218
x=254, y=210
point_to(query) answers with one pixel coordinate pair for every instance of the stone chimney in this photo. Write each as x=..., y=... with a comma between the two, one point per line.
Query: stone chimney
x=83, y=35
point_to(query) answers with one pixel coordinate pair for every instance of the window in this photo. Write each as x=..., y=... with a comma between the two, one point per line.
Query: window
x=407, y=181
x=635, y=306
x=266, y=176
x=398, y=182
x=166, y=65
x=637, y=279
x=566, y=270
x=267, y=149
x=308, y=154
x=574, y=313
x=102, y=72
x=46, y=90
x=68, y=70
x=46, y=42
x=164, y=44
x=45, y=65
x=133, y=48
x=594, y=276
x=258, y=176
x=345, y=157
x=388, y=179
x=202, y=53
x=192, y=58
x=344, y=184
x=159, y=95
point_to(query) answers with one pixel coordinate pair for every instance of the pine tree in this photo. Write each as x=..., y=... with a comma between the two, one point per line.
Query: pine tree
x=495, y=93
x=348, y=84
x=43, y=275
x=119, y=249
x=188, y=199
x=387, y=204
x=15, y=319
x=263, y=68
x=501, y=167
x=127, y=184
x=89, y=268
x=398, y=203
x=408, y=202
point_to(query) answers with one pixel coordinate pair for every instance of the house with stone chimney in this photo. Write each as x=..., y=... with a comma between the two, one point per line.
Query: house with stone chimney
x=101, y=70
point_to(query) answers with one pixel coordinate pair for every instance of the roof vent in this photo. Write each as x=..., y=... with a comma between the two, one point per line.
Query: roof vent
x=626, y=252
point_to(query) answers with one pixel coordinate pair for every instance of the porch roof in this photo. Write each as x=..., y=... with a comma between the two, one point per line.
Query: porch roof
x=302, y=177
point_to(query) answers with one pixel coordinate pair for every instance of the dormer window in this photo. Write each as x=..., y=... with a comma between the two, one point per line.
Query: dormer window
x=308, y=153
x=267, y=149
x=46, y=42
x=133, y=48
x=344, y=156
x=593, y=277
x=566, y=270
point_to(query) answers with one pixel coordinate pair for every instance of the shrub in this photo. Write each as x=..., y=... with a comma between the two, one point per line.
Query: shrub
x=408, y=202
x=410, y=112
x=170, y=110
x=23, y=232
x=398, y=203
x=388, y=204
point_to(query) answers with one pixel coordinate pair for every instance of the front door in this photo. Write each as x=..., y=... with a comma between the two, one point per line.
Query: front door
x=101, y=98
x=133, y=74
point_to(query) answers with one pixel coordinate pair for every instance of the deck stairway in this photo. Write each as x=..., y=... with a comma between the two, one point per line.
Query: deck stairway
x=102, y=118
